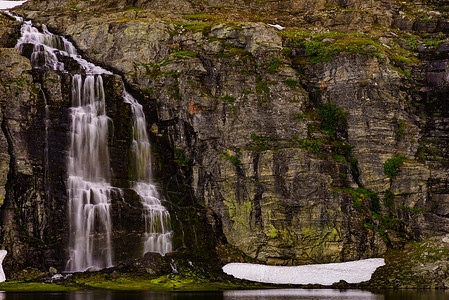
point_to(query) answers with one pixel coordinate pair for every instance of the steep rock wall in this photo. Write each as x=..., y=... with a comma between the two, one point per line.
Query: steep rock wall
x=239, y=110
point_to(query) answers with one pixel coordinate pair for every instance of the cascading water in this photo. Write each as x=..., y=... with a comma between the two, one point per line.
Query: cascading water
x=88, y=185
x=157, y=219
x=88, y=170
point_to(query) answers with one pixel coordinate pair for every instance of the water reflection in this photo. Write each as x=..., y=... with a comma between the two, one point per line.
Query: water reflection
x=301, y=294
x=275, y=294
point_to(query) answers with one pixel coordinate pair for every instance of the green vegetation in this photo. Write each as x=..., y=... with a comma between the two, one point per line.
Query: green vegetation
x=230, y=50
x=322, y=46
x=22, y=286
x=359, y=196
x=333, y=118
x=273, y=65
x=19, y=82
x=412, y=43
x=180, y=158
x=202, y=17
x=184, y=27
x=130, y=7
x=234, y=159
x=393, y=165
x=291, y=83
x=184, y=54
x=340, y=158
x=162, y=283
x=400, y=129
x=228, y=98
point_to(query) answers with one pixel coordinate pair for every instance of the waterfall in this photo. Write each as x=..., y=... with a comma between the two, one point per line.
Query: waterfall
x=157, y=237
x=88, y=170
x=88, y=187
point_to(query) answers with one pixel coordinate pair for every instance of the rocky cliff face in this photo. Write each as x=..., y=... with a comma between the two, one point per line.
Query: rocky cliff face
x=312, y=144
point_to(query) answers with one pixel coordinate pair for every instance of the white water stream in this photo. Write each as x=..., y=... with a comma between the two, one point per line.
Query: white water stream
x=88, y=169
x=157, y=219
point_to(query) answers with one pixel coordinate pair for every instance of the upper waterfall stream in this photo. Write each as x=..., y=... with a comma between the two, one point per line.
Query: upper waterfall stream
x=88, y=184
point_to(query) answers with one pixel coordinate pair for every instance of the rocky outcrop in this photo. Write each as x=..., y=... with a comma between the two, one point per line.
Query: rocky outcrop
x=302, y=146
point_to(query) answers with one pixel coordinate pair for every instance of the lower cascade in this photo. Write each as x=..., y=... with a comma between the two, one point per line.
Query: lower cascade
x=157, y=219
x=88, y=168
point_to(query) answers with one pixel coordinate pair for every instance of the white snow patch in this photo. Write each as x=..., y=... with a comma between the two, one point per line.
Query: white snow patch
x=277, y=26
x=325, y=274
x=10, y=4
x=2, y=256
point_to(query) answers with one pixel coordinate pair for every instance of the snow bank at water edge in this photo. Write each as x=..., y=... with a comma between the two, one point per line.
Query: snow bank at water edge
x=10, y=4
x=325, y=274
x=2, y=256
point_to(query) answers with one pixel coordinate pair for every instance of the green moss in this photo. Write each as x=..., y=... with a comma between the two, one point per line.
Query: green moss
x=21, y=286
x=201, y=17
x=393, y=165
x=184, y=27
x=291, y=83
x=272, y=232
x=19, y=82
x=184, y=54
x=130, y=7
x=162, y=283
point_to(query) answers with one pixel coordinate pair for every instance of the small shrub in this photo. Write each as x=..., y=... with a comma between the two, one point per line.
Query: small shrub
x=291, y=83
x=234, y=159
x=393, y=165
x=333, y=118
x=314, y=48
x=286, y=51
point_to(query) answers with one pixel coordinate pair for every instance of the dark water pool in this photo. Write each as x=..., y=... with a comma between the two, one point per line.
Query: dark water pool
x=233, y=295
